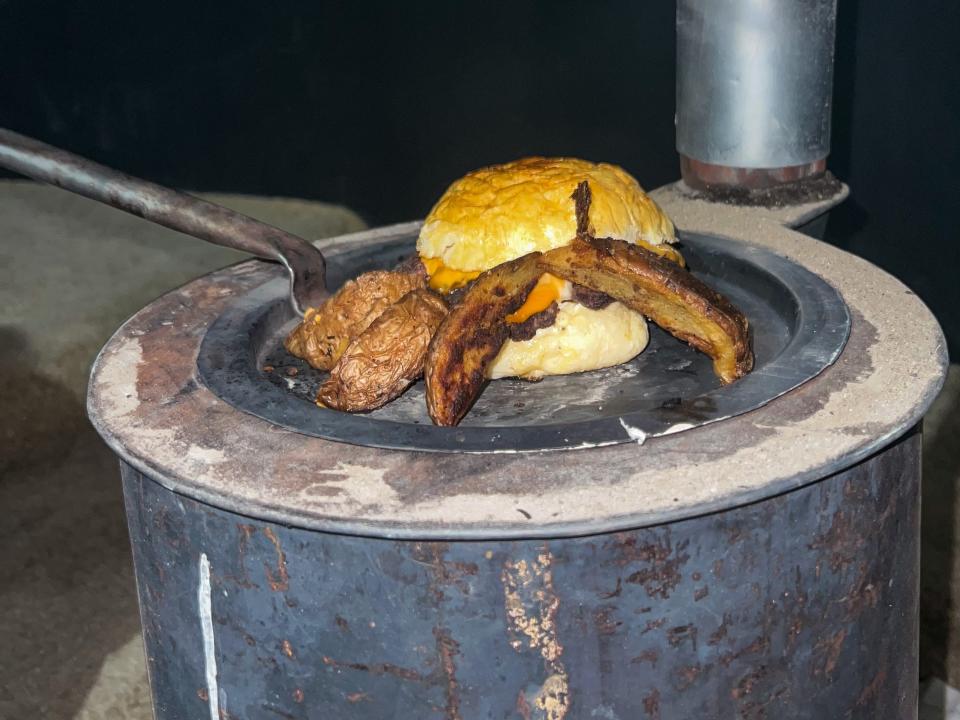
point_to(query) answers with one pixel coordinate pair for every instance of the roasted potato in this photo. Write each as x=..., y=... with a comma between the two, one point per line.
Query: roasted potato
x=663, y=291
x=470, y=337
x=325, y=332
x=381, y=363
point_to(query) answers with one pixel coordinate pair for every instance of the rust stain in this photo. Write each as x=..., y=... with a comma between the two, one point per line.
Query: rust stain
x=747, y=683
x=616, y=592
x=872, y=689
x=448, y=649
x=342, y=623
x=357, y=697
x=298, y=696
x=287, y=649
x=444, y=572
x=677, y=636
x=830, y=648
x=688, y=674
x=759, y=645
x=603, y=621
x=523, y=707
x=376, y=669
x=653, y=625
x=662, y=560
x=246, y=532
x=651, y=704
x=700, y=593
x=203, y=694
x=651, y=656
x=278, y=579
x=842, y=541
x=863, y=595
x=793, y=632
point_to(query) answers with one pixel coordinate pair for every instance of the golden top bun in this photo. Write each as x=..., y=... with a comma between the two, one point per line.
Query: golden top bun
x=501, y=212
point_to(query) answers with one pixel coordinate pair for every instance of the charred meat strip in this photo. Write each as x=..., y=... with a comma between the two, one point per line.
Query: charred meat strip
x=663, y=291
x=387, y=357
x=469, y=339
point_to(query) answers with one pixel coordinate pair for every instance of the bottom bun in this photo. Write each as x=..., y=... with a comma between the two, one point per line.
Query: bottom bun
x=580, y=339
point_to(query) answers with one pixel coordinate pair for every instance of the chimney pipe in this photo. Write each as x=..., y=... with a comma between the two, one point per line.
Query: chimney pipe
x=754, y=85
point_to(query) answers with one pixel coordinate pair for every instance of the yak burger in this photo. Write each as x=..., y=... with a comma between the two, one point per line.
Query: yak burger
x=619, y=280
x=501, y=213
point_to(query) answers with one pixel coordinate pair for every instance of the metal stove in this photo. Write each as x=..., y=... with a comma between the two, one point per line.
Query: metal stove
x=631, y=543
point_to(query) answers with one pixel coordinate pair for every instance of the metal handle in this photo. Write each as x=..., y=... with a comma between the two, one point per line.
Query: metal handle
x=172, y=209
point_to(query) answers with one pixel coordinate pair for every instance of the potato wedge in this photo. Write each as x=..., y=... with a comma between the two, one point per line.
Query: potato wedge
x=663, y=291
x=325, y=332
x=470, y=337
x=387, y=357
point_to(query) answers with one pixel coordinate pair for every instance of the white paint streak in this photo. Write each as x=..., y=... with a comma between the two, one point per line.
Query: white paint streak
x=679, y=427
x=634, y=433
x=206, y=628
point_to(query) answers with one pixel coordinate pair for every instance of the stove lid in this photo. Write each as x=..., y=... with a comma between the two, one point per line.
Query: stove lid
x=799, y=325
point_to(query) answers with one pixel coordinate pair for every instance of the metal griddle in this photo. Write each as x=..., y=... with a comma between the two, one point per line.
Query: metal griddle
x=799, y=326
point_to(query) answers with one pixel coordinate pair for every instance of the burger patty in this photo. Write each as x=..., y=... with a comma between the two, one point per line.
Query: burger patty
x=593, y=299
x=525, y=330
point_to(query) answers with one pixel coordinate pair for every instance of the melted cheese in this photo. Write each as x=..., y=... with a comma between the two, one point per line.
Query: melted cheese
x=444, y=279
x=548, y=290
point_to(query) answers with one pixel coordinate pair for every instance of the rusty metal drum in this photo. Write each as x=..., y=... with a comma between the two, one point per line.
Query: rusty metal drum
x=762, y=565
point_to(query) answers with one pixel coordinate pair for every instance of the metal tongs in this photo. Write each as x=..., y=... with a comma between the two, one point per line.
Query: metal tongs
x=172, y=209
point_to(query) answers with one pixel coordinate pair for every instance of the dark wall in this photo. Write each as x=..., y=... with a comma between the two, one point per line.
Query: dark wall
x=379, y=105
x=896, y=141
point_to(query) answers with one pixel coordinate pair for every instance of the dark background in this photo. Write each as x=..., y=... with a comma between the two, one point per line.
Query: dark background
x=380, y=105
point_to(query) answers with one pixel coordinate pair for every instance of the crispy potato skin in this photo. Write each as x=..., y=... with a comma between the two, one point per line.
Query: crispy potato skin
x=469, y=339
x=663, y=291
x=385, y=358
x=325, y=332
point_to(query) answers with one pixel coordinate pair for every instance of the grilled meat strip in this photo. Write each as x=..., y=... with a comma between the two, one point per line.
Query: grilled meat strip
x=470, y=337
x=658, y=287
x=663, y=291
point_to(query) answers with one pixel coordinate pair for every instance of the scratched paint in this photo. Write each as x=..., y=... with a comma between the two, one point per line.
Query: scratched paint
x=531, y=607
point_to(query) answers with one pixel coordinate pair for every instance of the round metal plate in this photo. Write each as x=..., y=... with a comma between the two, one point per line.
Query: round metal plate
x=799, y=326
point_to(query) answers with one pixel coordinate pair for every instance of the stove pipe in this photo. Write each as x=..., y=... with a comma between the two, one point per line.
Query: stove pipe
x=754, y=82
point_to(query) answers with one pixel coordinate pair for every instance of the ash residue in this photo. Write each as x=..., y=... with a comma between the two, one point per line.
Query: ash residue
x=801, y=192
